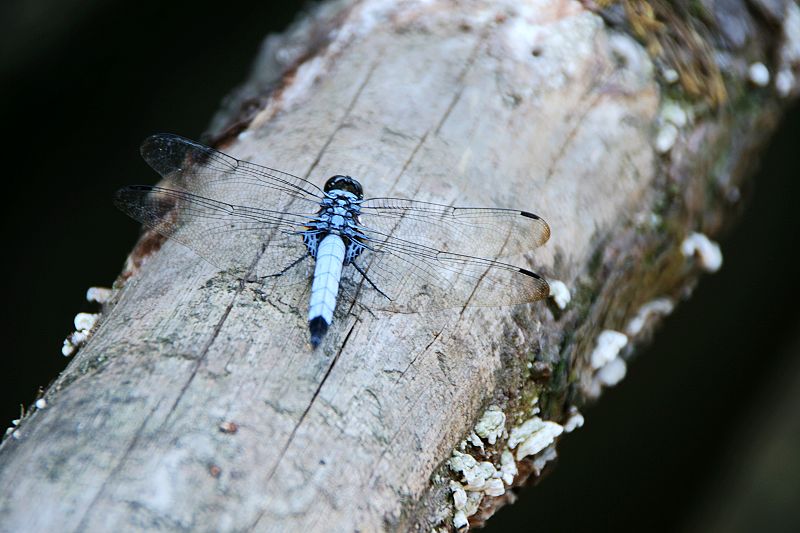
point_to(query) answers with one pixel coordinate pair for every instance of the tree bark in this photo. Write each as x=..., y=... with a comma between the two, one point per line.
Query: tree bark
x=629, y=128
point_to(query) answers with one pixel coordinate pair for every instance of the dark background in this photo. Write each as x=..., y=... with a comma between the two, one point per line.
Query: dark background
x=703, y=429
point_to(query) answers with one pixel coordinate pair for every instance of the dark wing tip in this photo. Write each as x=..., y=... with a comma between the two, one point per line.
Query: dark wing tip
x=545, y=233
x=157, y=141
x=170, y=154
x=529, y=273
x=138, y=188
x=122, y=195
x=167, y=153
x=148, y=204
x=125, y=193
x=542, y=288
x=544, y=227
x=161, y=151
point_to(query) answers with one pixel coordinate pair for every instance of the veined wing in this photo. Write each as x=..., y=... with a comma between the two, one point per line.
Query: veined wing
x=405, y=276
x=237, y=215
x=249, y=242
x=472, y=231
x=196, y=168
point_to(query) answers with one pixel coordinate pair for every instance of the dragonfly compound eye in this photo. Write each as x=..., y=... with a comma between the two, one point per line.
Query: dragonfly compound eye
x=344, y=183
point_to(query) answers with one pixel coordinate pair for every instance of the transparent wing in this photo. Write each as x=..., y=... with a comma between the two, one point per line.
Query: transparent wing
x=404, y=276
x=248, y=242
x=192, y=166
x=431, y=256
x=472, y=231
x=239, y=216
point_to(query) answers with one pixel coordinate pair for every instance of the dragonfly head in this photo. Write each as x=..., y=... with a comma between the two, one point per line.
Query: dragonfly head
x=344, y=183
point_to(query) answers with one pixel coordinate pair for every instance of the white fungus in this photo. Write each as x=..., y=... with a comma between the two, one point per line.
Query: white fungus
x=75, y=340
x=466, y=502
x=41, y=403
x=559, y=293
x=459, y=495
x=85, y=321
x=539, y=440
x=758, y=74
x=460, y=462
x=508, y=467
x=706, y=250
x=670, y=75
x=523, y=431
x=612, y=373
x=474, y=473
x=789, y=52
x=477, y=477
x=659, y=306
x=494, y=487
x=475, y=440
x=666, y=137
x=574, y=421
x=673, y=113
x=460, y=520
x=79, y=338
x=473, y=501
x=482, y=478
x=533, y=436
x=491, y=425
x=609, y=343
x=68, y=348
x=545, y=457
x=98, y=294
x=784, y=82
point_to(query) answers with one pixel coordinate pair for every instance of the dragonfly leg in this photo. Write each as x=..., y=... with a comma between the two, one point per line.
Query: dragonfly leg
x=262, y=279
x=364, y=274
x=285, y=270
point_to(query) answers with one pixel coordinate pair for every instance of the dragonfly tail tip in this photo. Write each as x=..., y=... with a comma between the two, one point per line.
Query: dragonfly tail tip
x=317, y=327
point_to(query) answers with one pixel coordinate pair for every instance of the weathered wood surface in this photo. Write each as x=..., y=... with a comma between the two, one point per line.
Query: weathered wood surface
x=544, y=106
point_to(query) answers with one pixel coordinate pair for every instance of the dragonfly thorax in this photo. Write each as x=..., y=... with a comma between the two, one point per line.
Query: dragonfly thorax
x=338, y=215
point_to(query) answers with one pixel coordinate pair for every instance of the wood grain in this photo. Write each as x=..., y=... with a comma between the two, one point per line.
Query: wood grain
x=534, y=105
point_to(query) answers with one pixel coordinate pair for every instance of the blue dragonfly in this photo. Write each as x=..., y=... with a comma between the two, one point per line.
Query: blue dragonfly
x=391, y=254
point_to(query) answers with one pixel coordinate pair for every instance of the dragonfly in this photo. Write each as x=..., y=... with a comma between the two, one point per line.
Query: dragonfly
x=391, y=254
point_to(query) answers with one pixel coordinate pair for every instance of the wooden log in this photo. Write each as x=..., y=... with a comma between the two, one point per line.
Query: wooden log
x=197, y=405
